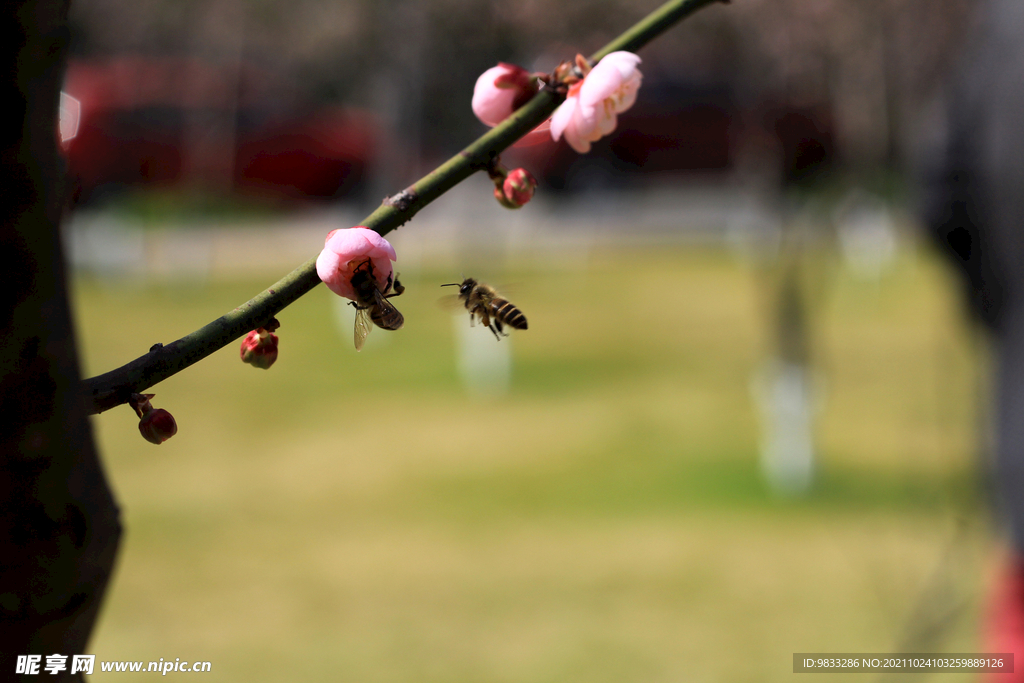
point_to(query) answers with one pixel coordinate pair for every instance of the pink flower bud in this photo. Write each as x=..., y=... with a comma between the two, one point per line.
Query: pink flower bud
x=518, y=188
x=157, y=426
x=347, y=249
x=591, y=110
x=259, y=348
x=500, y=91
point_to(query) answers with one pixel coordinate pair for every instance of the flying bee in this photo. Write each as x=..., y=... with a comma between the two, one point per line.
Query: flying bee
x=494, y=311
x=372, y=305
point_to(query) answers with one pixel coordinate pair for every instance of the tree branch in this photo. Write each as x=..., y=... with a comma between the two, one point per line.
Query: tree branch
x=115, y=387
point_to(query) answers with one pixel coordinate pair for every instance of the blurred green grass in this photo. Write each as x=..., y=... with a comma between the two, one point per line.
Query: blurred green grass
x=363, y=517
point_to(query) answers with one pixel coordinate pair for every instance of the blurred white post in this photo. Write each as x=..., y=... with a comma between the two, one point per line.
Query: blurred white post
x=785, y=395
x=867, y=235
x=485, y=364
x=784, y=389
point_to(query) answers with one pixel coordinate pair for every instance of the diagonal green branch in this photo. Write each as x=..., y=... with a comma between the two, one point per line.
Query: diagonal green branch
x=115, y=387
x=652, y=26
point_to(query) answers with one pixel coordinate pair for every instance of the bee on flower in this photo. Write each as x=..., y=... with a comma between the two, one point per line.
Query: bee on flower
x=356, y=263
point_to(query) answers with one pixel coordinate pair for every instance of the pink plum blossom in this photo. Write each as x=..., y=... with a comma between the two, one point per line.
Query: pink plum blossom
x=347, y=249
x=591, y=110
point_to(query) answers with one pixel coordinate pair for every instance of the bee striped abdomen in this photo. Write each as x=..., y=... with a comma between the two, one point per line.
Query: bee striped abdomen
x=507, y=313
x=386, y=317
x=371, y=304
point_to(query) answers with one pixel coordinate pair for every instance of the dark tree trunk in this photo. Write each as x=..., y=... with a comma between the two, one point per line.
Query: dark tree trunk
x=59, y=525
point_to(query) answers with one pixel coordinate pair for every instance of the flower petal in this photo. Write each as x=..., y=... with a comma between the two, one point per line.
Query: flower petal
x=627, y=93
x=535, y=136
x=561, y=118
x=577, y=134
x=599, y=85
x=328, y=267
x=624, y=62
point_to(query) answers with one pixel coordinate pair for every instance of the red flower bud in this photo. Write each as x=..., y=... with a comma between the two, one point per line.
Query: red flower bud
x=518, y=188
x=259, y=348
x=157, y=426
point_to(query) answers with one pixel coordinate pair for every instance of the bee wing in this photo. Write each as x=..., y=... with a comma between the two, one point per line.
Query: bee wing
x=388, y=317
x=363, y=327
x=450, y=302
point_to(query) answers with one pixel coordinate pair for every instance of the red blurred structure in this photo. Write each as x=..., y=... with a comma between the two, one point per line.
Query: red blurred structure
x=668, y=131
x=324, y=154
x=675, y=132
x=183, y=122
